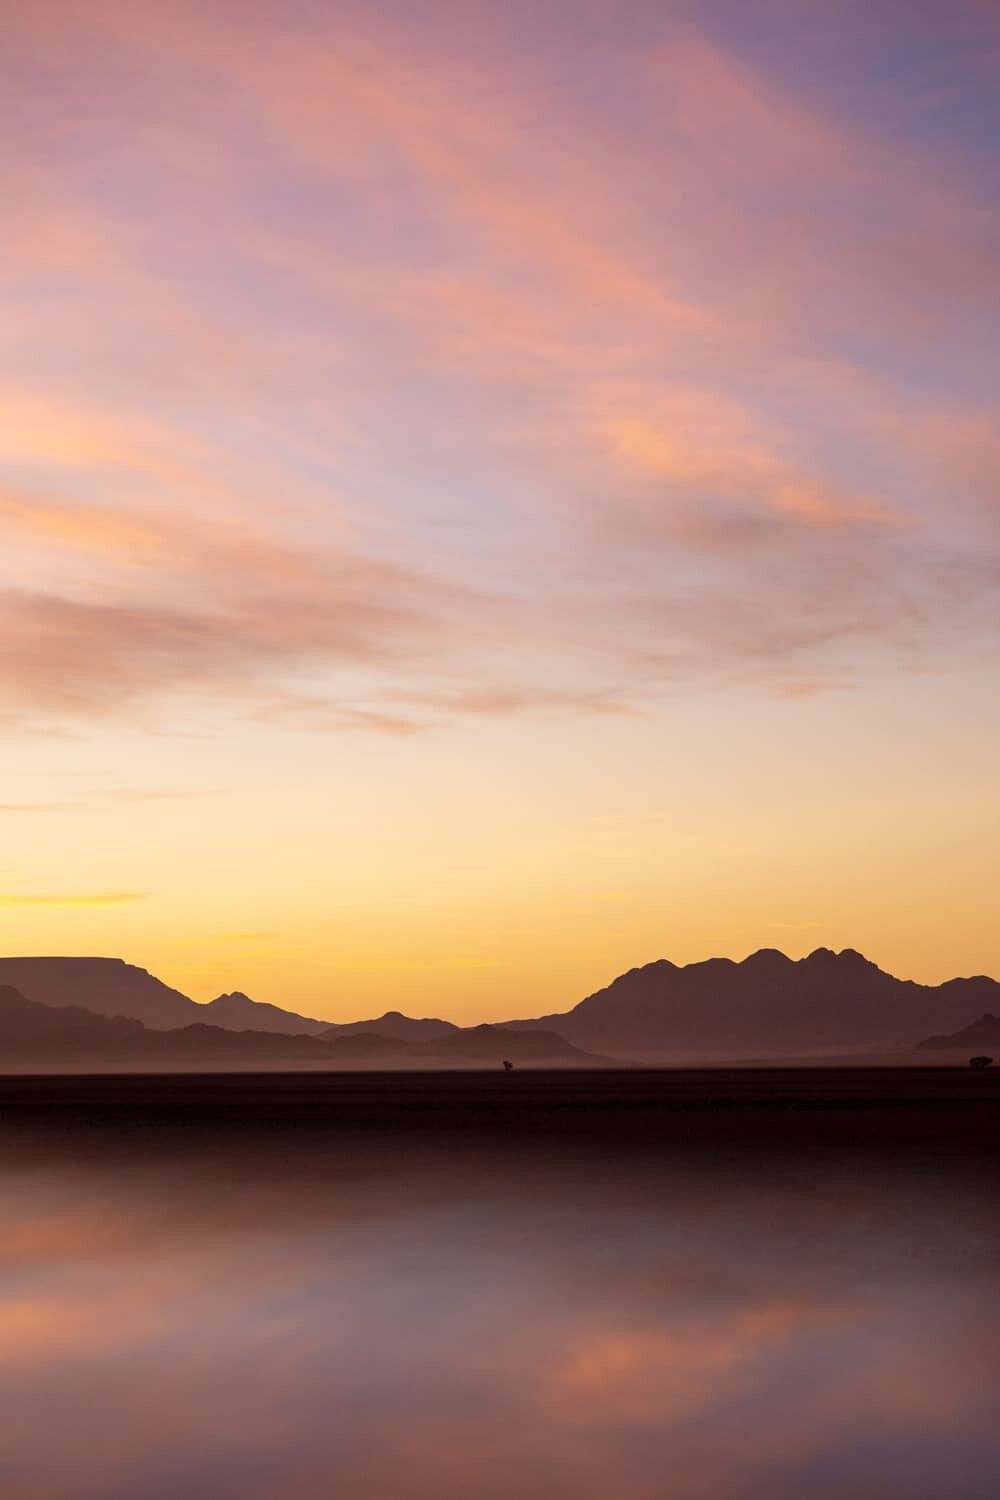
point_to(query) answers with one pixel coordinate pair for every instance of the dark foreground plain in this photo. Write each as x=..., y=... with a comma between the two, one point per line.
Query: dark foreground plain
x=931, y=1108
x=702, y=1285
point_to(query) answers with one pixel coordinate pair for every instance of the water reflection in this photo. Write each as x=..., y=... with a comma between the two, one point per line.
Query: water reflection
x=437, y=1325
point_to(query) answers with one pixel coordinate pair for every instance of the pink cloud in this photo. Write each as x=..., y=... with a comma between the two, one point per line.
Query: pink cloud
x=333, y=351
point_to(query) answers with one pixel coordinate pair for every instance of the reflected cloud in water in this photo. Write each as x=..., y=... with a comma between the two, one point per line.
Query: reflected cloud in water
x=432, y=1324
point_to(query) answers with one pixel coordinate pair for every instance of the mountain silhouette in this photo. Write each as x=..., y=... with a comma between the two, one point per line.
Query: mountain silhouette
x=982, y=1033
x=46, y=1036
x=72, y=1036
x=494, y=1043
x=461, y=1045
x=767, y=1005
x=105, y=986
x=31, y=1029
x=111, y=987
x=237, y=1012
x=393, y=1024
x=366, y=1047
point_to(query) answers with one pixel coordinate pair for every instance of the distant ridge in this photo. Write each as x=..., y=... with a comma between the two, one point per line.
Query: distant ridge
x=59, y=1038
x=394, y=1024
x=237, y=1012
x=72, y=1036
x=111, y=987
x=491, y=1043
x=982, y=1033
x=461, y=1046
x=768, y=1005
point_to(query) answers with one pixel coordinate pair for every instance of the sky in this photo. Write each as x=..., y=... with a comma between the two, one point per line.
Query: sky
x=494, y=494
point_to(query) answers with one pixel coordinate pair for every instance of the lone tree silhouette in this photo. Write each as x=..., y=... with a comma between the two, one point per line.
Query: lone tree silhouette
x=508, y=1066
x=980, y=1062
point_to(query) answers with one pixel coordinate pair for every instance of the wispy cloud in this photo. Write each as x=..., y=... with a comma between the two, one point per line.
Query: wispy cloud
x=459, y=359
x=40, y=807
x=98, y=898
x=109, y=797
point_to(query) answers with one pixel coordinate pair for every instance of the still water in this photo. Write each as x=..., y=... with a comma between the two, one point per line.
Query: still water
x=240, y=1322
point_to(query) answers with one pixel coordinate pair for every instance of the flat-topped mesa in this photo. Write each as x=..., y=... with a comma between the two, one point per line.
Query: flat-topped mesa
x=112, y=987
x=105, y=986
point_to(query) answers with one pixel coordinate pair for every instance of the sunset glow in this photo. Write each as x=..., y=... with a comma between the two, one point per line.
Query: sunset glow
x=491, y=495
